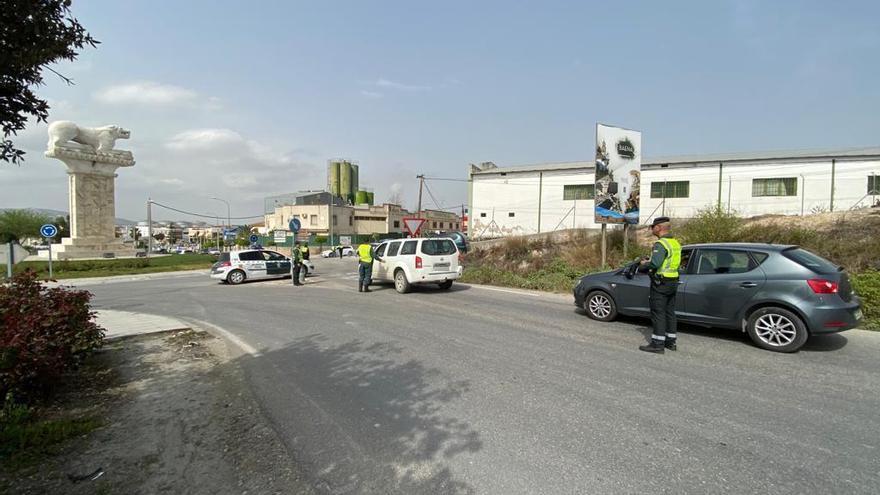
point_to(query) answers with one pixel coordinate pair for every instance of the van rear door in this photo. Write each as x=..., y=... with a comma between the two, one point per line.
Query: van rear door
x=439, y=255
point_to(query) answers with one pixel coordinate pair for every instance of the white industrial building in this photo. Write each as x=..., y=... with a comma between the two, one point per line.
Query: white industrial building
x=530, y=199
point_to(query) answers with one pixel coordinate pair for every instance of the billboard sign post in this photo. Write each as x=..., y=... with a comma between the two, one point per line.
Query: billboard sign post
x=618, y=170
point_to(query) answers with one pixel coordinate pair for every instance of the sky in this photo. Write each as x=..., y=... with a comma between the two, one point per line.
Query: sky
x=243, y=100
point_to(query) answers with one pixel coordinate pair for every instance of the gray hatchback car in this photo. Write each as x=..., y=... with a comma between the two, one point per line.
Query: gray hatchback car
x=779, y=294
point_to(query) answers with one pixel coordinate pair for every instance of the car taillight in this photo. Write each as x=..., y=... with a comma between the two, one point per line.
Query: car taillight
x=460, y=258
x=418, y=261
x=225, y=263
x=822, y=286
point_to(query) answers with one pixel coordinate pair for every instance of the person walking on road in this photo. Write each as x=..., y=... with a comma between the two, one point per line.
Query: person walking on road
x=296, y=258
x=663, y=265
x=365, y=267
x=305, y=250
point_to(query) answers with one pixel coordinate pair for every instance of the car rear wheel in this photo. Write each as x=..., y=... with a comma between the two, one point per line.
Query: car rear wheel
x=235, y=277
x=401, y=284
x=600, y=306
x=445, y=285
x=777, y=329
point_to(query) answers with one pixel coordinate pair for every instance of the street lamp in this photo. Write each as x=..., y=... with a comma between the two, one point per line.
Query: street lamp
x=228, y=221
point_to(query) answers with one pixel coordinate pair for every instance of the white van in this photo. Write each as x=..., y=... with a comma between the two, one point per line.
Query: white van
x=416, y=261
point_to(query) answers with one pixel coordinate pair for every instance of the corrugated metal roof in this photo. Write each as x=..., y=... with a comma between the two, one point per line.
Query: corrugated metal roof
x=872, y=152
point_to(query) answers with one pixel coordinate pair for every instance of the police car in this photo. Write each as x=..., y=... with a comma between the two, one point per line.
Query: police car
x=255, y=264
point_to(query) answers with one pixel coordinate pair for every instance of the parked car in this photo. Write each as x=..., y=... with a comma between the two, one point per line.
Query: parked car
x=254, y=264
x=333, y=253
x=459, y=238
x=416, y=261
x=214, y=251
x=779, y=294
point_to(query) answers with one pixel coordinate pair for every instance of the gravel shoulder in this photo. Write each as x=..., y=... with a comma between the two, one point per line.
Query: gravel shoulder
x=177, y=417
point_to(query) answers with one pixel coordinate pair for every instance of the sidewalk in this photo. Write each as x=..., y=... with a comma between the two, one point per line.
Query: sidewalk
x=131, y=278
x=124, y=323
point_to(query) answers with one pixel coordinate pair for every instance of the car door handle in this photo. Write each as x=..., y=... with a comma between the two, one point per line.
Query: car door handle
x=748, y=285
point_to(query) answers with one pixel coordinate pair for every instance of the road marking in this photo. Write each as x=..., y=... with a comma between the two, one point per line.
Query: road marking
x=505, y=290
x=244, y=346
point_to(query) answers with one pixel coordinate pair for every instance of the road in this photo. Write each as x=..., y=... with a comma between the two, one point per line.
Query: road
x=484, y=390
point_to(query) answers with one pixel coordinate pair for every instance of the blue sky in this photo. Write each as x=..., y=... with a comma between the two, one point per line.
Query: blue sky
x=246, y=99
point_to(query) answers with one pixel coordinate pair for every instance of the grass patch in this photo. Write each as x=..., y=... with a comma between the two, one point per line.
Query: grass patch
x=867, y=286
x=26, y=439
x=66, y=269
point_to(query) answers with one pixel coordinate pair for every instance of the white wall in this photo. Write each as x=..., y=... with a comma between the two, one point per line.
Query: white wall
x=496, y=196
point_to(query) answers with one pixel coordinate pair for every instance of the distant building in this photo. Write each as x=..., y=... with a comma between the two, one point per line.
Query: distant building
x=552, y=196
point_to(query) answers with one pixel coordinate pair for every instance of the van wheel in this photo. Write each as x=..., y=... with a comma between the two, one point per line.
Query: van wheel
x=401, y=284
x=777, y=329
x=445, y=285
x=235, y=277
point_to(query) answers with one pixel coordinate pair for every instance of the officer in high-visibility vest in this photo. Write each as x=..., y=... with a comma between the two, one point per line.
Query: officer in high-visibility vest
x=296, y=263
x=365, y=267
x=663, y=265
x=304, y=249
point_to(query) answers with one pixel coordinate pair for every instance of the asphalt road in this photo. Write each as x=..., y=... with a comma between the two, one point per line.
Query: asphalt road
x=482, y=390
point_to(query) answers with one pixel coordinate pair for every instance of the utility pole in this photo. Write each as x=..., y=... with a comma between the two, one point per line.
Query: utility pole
x=540, y=191
x=421, y=178
x=720, y=176
x=149, y=227
x=803, y=192
x=833, y=167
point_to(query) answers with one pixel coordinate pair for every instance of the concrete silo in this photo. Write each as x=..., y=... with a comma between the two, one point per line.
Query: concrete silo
x=333, y=177
x=345, y=181
x=361, y=198
x=354, y=180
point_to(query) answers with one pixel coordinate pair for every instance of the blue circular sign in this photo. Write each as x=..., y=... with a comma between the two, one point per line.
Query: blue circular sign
x=48, y=230
x=294, y=225
x=254, y=238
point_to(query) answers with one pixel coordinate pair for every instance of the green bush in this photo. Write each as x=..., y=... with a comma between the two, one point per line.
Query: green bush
x=867, y=286
x=43, y=333
x=711, y=224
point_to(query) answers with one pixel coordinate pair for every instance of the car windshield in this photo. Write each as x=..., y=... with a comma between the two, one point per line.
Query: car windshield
x=438, y=247
x=810, y=260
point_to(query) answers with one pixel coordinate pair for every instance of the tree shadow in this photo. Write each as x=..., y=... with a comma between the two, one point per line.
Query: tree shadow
x=364, y=420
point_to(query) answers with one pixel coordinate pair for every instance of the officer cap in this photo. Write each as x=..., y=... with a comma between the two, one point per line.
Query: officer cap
x=659, y=220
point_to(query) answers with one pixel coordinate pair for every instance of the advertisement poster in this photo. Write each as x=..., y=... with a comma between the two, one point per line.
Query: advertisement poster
x=618, y=168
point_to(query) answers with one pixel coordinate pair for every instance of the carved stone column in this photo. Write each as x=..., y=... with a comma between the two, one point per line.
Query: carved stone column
x=91, y=185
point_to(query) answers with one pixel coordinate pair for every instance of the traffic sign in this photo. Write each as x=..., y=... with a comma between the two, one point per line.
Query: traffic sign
x=48, y=230
x=254, y=238
x=294, y=225
x=18, y=253
x=413, y=225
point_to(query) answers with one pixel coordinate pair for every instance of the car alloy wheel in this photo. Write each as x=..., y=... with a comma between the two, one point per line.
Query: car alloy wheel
x=775, y=330
x=235, y=277
x=401, y=284
x=600, y=306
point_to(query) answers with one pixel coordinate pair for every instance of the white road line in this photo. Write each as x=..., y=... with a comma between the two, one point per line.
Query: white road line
x=505, y=290
x=244, y=346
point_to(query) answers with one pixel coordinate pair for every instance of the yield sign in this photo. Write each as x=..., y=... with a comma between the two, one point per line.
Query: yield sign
x=412, y=225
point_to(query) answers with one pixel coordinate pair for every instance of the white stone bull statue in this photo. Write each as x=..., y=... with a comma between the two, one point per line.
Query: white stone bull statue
x=102, y=139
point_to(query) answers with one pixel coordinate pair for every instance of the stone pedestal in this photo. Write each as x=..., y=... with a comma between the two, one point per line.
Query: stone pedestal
x=92, y=190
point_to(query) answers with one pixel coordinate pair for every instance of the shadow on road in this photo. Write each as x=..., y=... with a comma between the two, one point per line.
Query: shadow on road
x=363, y=420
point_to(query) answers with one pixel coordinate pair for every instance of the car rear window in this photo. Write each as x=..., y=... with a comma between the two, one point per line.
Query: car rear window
x=224, y=257
x=807, y=259
x=409, y=247
x=438, y=247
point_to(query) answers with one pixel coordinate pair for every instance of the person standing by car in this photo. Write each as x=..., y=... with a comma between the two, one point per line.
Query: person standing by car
x=296, y=259
x=663, y=265
x=365, y=267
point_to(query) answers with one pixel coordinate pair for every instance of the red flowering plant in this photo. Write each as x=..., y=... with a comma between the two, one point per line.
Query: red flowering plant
x=43, y=333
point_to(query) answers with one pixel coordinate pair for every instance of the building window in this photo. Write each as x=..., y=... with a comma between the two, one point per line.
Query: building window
x=313, y=220
x=334, y=220
x=397, y=224
x=874, y=184
x=350, y=220
x=786, y=186
x=434, y=225
x=511, y=214
x=578, y=191
x=456, y=226
x=483, y=215
x=671, y=189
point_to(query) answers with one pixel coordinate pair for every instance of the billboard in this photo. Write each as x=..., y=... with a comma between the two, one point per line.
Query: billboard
x=618, y=169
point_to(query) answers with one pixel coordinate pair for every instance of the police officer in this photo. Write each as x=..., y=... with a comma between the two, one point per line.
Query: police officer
x=365, y=267
x=305, y=250
x=663, y=265
x=296, y=258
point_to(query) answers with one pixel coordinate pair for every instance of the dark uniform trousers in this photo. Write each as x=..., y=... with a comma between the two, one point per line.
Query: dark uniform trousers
x=365, y=273
x=662, y=302
x=297, y=267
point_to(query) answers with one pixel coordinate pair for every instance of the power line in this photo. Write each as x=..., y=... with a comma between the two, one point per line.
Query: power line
x=201, y=215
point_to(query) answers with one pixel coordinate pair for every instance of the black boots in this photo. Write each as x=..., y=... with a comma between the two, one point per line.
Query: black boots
x=669, y=344
x=360, y=288
x=656, y=346
x=367, y=288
